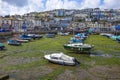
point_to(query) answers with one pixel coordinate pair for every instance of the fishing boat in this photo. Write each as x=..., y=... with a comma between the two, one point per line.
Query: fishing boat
x=61, y=58
x=13, y=42
x=78, y=47
x=2, y=47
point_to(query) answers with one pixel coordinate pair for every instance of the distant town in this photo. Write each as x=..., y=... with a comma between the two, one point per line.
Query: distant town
x=62, y=19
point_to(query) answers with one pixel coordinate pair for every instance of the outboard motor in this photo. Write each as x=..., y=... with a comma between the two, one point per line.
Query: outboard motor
x=76, y=61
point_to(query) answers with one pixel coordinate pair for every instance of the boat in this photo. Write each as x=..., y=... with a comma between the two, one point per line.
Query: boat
x=115, y=37
x=22, y=40
x=25, y=37
x=35, y=36
x=61, y=58
x=13, y=42
x=76, y=40
x=81, y=35
x=106, y=35
x=64, y=33
x=118, y=40
x=78, y=47
x=50, y=35
x=2, y=47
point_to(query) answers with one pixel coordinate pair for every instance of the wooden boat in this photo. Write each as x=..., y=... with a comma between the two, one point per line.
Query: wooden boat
x=2, y=47
x=78, y=47
x=61, y=58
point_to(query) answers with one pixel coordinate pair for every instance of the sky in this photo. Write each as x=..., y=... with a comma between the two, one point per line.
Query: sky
x=11, y=7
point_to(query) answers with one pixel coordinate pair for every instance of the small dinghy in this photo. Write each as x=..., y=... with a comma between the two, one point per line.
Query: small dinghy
x=2, y=47
x=61, y=58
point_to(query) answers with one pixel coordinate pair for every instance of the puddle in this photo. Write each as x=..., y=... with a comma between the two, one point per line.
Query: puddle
x=100, y=53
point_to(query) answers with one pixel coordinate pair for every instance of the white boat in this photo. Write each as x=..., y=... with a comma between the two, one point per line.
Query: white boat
x=22, y=40
x=61, y=58
x=106, y=34
x=64, y=34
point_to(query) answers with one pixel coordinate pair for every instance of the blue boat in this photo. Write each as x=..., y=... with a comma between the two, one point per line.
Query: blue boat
x=118, y=40
x=13, y=42
x=76, y=40
x=50, y=35
x=81, y=35
x=25, y=37
x=114, y=37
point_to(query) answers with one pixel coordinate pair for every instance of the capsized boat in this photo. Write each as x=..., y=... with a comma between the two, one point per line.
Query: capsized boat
x=61, y=58
x=78, y=47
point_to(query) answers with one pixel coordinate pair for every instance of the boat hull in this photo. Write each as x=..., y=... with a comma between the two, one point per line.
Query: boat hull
x=78, y=49
x=61, y=62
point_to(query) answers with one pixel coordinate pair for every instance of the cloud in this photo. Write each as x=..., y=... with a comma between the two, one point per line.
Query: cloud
x=36, y=5
x=19, y=3
x=10, y=9
x=25, y=6
x=111, y=4
x=61, y=4
x=90, y=4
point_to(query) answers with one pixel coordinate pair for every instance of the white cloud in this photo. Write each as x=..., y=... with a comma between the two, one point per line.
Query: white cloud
x=59, y=4
x=111, y=4
x=43, y=5
x=33, y=5
x=90, y=3
x=36, y=5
